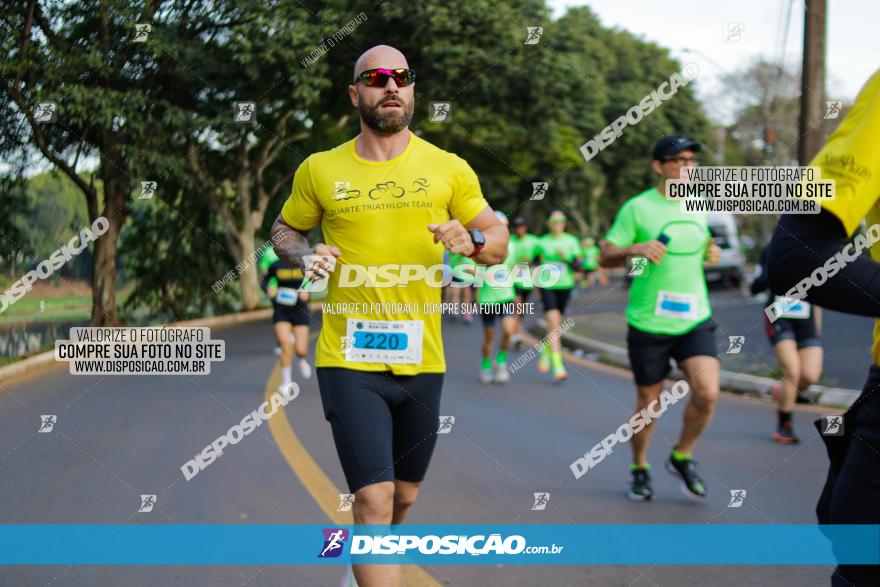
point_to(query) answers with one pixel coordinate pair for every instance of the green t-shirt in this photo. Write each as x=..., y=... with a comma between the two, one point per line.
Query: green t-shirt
x=560, y=251
x=501, y=293
x=456, y=259
x=269, y=257
x=525, y=248
x=591, y=258
x=669, y=297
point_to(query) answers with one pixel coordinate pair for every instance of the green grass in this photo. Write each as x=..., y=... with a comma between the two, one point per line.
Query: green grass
x=61, y=308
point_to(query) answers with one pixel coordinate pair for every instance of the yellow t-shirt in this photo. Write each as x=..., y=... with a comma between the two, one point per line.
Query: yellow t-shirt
x=378, y=213
x=851, y=157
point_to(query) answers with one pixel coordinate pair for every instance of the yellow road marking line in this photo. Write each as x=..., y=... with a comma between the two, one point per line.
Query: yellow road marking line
x=317, y=483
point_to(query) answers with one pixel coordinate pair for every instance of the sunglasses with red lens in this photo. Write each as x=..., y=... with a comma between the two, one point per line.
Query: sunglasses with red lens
x=378, y=78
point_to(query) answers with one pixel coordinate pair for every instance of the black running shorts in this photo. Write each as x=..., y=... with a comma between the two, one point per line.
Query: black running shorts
x=297, y=315
x=555, y=299
x=801, y=330
x=649, y=353
x=384, y=425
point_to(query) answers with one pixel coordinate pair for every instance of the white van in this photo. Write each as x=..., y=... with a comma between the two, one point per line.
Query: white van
x=731, y=267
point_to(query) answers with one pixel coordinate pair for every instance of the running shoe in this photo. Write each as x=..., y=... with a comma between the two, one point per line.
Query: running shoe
x=468, y=318
x=544, y=362
x=517, y=341
x=640, y=486
x=686, y=470
x=559, y=373
x=486, y=376
x=282, y=388
x=278, y=351
x=785, y=434
x=502, y=374
x=305, y=369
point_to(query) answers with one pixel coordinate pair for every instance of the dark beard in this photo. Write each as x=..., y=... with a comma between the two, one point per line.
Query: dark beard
x=386, y=123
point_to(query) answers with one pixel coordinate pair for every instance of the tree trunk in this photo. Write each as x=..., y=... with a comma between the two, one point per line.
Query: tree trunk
x=104, y=258
x=248, y=279
x=104, y=277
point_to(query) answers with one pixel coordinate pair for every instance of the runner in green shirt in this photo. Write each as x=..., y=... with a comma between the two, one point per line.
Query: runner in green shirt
x=525, y=246
x=668, y=312
x=591, y=261
x=268, y=257
x=563, y=251
x=495, y=296
x=456, y=293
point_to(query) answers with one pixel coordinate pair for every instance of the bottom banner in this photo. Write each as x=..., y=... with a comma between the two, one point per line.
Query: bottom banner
x=627, y=544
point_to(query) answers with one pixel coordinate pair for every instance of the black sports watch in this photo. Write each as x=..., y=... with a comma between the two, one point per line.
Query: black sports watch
x=479, y=242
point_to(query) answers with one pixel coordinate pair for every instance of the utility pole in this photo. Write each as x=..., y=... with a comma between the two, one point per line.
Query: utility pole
x=812, y=120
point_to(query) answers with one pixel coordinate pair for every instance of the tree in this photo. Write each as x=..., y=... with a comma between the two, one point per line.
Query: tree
x=106, y=92
x=241, y=166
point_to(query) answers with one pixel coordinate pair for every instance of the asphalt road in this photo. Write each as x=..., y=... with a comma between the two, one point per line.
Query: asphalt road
x=119, y=437
x=846, y=339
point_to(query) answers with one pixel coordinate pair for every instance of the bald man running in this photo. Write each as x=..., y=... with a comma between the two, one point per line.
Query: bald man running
x=386, y=197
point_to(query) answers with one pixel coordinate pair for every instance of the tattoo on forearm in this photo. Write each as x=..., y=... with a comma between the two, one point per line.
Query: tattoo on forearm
x=290, y=245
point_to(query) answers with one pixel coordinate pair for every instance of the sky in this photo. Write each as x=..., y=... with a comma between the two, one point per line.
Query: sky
x=852, y=43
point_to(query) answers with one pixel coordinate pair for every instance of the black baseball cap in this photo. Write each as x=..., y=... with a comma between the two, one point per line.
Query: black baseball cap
x=519, y=221
x=673, y=144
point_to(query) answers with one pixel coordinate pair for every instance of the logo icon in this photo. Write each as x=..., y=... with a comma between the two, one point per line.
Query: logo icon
x=832, y=109
x=148, y=188
x=832, y=425
x=735, y=32
x=342, y=191
x=736, y=344
x=346, y=500
x=141, y=32
x=737, y=496
x=47, y=423
x=440, y=111
x=637, y=266
x=46, y=112
x=541, y=500
x=334, y=540
x=533, y=34
x=389, y=187
x=147, y=503
x=422, y=184
x=244, y=112
x=539, y=190
x=446, y=423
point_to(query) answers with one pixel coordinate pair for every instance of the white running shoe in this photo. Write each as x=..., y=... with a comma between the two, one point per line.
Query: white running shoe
x=278, y=351
x=282, y=387
x=502, y=374
x=486, y=376
x=305, y=369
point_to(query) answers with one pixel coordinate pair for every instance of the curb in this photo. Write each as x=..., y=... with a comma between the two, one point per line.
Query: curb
x=742, y=383
x=46, y=360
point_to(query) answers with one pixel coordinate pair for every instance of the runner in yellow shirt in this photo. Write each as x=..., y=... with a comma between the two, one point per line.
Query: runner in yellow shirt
x=389, y=202
x=810, y=258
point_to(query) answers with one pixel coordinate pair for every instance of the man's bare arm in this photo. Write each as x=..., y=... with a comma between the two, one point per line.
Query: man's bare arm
x=496, y=235
x=290, y=245
x=614, y=256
